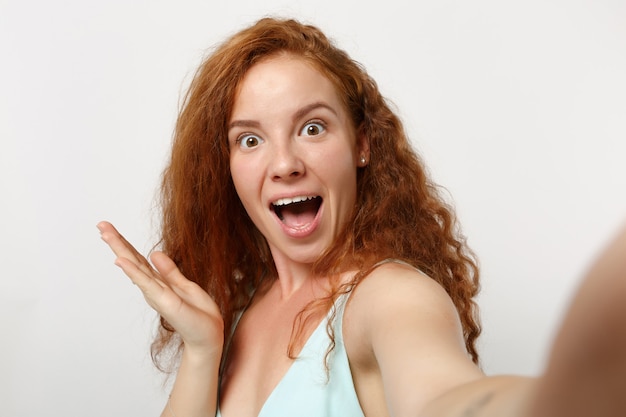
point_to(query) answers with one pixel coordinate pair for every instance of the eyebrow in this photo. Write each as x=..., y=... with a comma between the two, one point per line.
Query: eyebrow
x=297, y=115
x=313, y=106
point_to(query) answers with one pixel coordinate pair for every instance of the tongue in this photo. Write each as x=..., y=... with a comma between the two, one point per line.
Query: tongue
x=299, y=214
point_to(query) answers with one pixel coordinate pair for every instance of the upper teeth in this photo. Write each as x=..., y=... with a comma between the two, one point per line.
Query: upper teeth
x=285, y=201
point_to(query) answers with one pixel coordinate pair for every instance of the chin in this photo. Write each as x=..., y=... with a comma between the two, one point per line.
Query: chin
x=305, y=257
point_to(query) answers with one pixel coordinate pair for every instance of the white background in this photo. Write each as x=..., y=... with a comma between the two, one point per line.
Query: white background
x=519, y=109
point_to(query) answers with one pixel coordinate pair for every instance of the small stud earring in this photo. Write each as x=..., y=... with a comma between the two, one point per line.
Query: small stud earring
x=363, y=160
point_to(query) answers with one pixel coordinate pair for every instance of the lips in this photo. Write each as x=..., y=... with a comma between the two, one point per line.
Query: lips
x=297, y=212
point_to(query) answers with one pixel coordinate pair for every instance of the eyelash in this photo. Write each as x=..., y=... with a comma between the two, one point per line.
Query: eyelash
x=314, y=122
x=243, y=136
x=319, y=122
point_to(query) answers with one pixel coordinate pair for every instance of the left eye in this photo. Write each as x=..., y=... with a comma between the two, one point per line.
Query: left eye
x=249, y=141
x=312, y=129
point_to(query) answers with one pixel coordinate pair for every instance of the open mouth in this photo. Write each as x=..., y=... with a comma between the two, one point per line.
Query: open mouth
x=297, y=212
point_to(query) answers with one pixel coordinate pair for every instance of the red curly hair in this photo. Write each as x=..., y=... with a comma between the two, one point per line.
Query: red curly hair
x=399, y=212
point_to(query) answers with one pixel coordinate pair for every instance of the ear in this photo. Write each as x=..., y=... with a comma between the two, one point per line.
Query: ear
x=363, y=149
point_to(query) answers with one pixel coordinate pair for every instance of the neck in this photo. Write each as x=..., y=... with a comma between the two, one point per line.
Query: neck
x=292, y=277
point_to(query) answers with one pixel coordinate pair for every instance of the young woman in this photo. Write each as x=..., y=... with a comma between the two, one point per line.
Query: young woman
x=308, y=265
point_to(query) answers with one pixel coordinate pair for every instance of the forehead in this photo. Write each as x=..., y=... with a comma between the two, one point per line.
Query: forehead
x=284, y=81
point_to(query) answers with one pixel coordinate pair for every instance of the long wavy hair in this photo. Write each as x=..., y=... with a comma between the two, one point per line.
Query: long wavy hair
x=399, y=212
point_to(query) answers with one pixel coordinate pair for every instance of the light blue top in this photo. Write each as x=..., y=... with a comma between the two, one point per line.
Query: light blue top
x=307, y=389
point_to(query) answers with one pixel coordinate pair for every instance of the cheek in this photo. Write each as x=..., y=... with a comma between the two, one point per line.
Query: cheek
x=338, y=165
x=338, y=156
x=247, y=195
x=339, y=172
x=240, y=173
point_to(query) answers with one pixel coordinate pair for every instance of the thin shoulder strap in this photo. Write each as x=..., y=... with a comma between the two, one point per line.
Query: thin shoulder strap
x=229, y=341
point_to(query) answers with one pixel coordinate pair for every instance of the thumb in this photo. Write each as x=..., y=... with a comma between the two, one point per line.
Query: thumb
x=167, y=268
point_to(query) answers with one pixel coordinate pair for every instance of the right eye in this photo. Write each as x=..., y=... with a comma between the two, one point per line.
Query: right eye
x=249, y=141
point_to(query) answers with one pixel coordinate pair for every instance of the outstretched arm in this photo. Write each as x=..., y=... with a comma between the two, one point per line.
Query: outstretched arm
x=406, y=333
x=191, y=311
x=586, y=372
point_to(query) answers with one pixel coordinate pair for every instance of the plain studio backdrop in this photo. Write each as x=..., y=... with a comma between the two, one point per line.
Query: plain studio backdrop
x=518, y=108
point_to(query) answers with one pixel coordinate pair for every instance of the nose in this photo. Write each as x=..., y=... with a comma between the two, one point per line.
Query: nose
x=286, y=161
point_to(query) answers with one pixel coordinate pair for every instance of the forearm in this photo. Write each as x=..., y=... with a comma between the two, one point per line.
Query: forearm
x=500, y=396
x=586, y=373
x=194, y=393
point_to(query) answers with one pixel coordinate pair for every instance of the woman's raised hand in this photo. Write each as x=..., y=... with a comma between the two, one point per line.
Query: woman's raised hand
x=187, y=307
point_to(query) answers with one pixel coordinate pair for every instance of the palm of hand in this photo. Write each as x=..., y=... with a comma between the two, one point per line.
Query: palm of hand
x=188, y=308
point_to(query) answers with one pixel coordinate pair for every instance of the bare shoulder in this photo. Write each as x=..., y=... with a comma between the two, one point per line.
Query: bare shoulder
x=395, y=291
x=403, y=336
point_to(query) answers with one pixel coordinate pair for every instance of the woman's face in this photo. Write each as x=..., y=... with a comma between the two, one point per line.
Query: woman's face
x=294, y=155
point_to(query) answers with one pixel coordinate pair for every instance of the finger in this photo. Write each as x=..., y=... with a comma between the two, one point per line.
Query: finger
x=125, y=252
x=117, y=242
x=146, y=283
x=121, y=247
x=183, y=316
x=156, y=292
x=188, y=290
